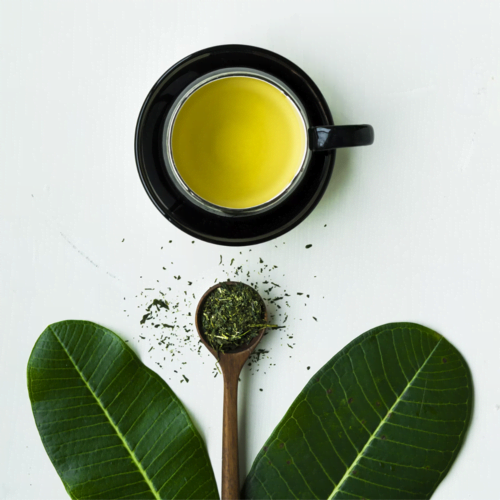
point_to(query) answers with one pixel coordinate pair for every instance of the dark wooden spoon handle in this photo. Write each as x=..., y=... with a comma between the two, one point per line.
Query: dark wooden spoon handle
x=230, y=465
x=231, y=364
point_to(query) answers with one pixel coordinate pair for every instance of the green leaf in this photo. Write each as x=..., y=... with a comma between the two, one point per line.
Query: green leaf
x=111, y=426
x=383, y=419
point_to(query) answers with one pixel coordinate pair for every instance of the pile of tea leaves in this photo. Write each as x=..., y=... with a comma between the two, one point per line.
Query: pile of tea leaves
x=164, y=310
x=232, y=315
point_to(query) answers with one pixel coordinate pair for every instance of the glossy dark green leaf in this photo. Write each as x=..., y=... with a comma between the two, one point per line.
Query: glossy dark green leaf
x=383, y=419
x=112, y=427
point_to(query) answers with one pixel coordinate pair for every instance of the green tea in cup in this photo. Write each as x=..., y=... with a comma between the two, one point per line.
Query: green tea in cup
x=238, y=142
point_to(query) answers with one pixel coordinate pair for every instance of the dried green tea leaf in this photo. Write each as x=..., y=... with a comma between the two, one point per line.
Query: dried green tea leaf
x=232, y=315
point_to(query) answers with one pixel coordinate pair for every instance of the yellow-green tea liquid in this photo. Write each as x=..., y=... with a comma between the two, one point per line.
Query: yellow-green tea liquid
x=238, y=142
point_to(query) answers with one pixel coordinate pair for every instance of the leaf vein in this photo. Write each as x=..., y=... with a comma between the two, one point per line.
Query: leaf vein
x=138, y=465
x=314, y=454
x=373, y=378
x=412, y=445
x=326, y=433
x=381, y=485
x=347, y=473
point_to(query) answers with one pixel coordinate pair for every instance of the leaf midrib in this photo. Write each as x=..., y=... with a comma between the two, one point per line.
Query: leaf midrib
x=380, y=425
x=120, y=435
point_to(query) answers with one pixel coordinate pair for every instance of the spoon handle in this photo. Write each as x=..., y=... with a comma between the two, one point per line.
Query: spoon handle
x=230, y=468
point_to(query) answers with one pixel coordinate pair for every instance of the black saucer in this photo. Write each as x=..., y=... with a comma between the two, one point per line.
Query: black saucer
x=174, y=205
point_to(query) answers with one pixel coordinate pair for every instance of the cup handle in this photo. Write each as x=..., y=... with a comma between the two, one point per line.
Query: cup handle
x=344, y=136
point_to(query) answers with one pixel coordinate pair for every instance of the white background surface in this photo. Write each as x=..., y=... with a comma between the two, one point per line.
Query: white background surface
x=412, y=221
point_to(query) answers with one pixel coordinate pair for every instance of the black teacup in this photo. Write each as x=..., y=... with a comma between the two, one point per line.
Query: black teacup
x=235, y=145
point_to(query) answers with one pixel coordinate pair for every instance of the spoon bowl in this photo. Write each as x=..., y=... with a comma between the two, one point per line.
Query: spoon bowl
x=231, y=363
x=249, y=346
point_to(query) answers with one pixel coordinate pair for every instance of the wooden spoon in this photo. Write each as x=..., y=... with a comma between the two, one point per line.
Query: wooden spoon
x=231, y=363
